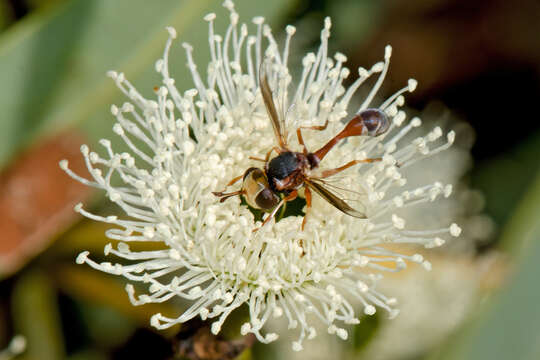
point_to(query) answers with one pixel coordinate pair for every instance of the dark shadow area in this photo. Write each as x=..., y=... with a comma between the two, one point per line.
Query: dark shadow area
x=19, y=8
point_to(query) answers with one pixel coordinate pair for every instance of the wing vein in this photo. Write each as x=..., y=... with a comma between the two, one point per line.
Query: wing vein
x=268, y=99
x=334, y=200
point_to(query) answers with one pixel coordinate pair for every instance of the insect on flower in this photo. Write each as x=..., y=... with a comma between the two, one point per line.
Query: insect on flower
x=284, y=174
x=183, y=145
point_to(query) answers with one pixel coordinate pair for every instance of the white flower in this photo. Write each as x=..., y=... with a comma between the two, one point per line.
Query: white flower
x=185, y=145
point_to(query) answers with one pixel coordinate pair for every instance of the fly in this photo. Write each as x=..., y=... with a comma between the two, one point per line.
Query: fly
x=268, y=189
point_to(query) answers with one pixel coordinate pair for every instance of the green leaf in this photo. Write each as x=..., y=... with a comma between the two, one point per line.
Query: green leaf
x=508, y=325
x=53, y=64
x=504, y=179
x=36, y=316
x=364, y=332
x=5, y=15
x=523, y=228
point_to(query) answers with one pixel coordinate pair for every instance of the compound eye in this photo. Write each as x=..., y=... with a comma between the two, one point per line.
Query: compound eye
x=266, y=199
x=375, y=121
x=253, y=172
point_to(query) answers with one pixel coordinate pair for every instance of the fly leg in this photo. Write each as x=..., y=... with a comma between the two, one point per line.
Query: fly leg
x=307, y=194
x=267, y=157
x=331, y=172
x=223, y=195
x=299, y=133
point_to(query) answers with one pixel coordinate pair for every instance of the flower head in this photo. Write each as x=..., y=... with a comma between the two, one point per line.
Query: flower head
x=186, y=145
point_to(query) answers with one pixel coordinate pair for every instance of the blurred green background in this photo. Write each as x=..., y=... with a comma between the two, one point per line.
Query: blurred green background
x=481, y=59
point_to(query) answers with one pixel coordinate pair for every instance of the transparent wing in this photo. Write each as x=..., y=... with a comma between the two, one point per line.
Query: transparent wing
x=277, y=120
x=334, y=200
x=334, y=185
